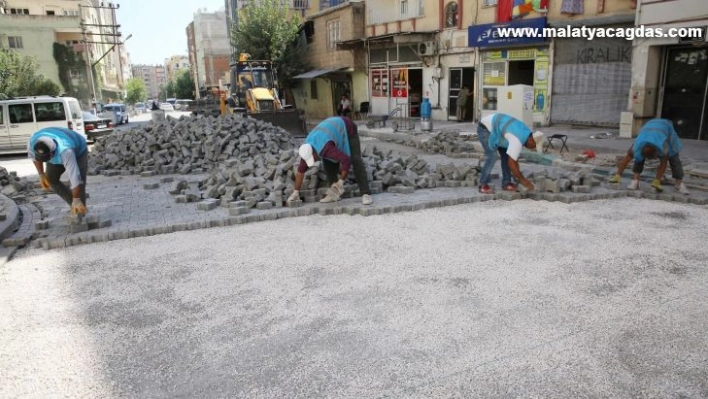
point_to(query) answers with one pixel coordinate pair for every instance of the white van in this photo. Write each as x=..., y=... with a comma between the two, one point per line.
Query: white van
x=182, y=105
x=20, y=117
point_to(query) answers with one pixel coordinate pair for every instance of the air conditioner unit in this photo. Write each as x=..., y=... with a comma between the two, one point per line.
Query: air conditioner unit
x=427, y=48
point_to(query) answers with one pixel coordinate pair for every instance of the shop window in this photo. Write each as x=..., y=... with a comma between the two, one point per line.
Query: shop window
x=379, y=83
x=313, y=89
x=452, y=15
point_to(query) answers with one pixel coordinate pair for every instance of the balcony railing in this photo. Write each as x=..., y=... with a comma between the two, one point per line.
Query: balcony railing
x=400, y=10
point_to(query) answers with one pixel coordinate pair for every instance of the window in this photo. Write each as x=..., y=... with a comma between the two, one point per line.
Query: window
x=50, y=112
x=489, y=3
x=313, y=89
x=75, y=109
x=333, y=34
x=21, y=113
x=74, y=73
x=2, y=112
x=50, y=13
x=15, y=41
x=404, y=8
x=451, y=15
x=19, y=11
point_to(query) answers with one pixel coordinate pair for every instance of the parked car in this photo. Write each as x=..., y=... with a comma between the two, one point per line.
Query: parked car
x=167, y=107
x=96, y=126
x=140, y=108
x=118, y=111
x=20, y=117
x=182, y=105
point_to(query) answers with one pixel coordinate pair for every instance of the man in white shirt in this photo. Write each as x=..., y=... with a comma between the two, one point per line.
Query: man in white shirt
x=345, y=106
x=506, y=135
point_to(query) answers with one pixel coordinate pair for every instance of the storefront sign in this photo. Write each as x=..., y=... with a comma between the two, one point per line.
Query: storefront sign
x=489, y=35
x=400, y=82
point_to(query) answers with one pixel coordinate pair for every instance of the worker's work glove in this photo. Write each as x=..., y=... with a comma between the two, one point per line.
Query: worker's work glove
x=44, y=182
x=615, y=179
x=528, y=186
x=338, y=188
x=657, y=185
x=295, y=196
x=78, y=207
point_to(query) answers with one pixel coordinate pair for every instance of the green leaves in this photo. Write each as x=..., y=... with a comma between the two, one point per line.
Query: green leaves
x=184, y=85
x=265, y=31
x=136, y=91
x=19, y=76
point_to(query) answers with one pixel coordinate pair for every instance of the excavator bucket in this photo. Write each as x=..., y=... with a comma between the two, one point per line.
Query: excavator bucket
x=292, y=120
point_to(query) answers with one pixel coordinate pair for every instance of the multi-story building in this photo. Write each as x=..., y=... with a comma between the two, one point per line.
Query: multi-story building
x=33, y=28
x=434, y=48
x=175, y=64
x=210, y=52
x=154, y=76
x=670, y=75
x=338, y=59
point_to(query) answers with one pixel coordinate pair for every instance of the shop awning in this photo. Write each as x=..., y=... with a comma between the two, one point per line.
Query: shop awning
x=315, y=73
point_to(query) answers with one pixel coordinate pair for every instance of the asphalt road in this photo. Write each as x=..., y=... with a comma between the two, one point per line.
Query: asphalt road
x=602, y=299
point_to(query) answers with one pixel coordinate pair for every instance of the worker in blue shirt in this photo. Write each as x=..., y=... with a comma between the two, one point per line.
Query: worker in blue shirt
x=656, y=139
x=62, y=150
x=507, y=136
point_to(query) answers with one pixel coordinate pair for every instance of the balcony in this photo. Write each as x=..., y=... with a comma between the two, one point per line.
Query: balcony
x=299, y=4
x=399, y=11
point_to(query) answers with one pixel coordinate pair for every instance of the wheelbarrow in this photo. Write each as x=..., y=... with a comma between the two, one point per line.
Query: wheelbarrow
x=380, y=120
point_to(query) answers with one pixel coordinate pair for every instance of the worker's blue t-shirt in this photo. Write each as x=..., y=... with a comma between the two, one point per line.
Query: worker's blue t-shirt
x=503, y=124
x=66, y=139
x=660, y=134
x=332, y=129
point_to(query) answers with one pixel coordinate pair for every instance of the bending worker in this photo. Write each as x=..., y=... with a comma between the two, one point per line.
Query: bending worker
x=336, y=141
x=656, y=139
x=62, y=150
x=506, y=135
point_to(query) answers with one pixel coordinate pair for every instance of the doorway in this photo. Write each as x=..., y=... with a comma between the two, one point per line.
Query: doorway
x=415, y=90
x=341, y=85
x=685, y=90
x=521, y=72
x=459, y=78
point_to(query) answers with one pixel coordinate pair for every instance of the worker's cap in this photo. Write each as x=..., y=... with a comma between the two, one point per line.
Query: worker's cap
x=305, y=152
x=538, y=138
x=44, y=149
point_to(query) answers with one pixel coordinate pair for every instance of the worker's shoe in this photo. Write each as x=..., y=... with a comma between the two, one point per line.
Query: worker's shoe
x=633, y=185
x=510, y=187
x=330, y=197
x=485, y=189
x=366, y=199
x=681, y=188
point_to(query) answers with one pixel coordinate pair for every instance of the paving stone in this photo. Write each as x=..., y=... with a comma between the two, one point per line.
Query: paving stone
x=104, y=223
x=167, y=179
x=680, y=198
x=665, y=197
x=151, y=186
x=614, y=186
x=149, y=173
x=19, y=241
x=207, y=204
x=453, y=183
x=238, y=211
x=264, y=205
x=581, y=189
x=181, y=199
x=41, y=225
x=293, y=204
x=78, y=228
x=92, y=221
x=698, y=201
x=401, y=190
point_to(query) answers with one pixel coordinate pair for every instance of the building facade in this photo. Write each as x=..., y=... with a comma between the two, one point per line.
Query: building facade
x=670, y=75
x=175, y=64
x=337, y=57
x=154, y=76
x=212, y=50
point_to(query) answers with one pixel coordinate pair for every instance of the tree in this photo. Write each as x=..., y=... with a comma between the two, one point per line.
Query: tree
x=266, y=33
x=19, y=76
x=136, y=90
x=184, y=85
x=167, y=91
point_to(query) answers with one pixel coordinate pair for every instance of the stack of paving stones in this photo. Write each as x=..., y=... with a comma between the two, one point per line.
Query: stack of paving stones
x=452, y=144
x=13, y=186
x=186, y=145
x=266, y=181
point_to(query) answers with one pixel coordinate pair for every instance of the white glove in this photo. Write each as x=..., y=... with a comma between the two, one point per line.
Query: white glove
x=338, y=187
x=295, y=196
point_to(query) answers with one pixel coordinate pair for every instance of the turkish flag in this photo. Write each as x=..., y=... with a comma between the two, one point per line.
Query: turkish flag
x=504, y=9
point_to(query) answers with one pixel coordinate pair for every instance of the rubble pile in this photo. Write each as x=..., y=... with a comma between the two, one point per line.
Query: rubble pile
x=11, y=184
x=186, y=145
x=271, y=177
x=448, y=143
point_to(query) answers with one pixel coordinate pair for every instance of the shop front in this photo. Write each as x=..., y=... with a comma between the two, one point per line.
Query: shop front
x=512, y=61
x=395, y=81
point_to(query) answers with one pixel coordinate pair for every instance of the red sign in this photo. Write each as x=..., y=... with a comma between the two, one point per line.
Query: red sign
x=400, y=83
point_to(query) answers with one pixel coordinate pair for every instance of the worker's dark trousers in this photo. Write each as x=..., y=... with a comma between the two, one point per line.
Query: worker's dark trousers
x=674, y=163
x=54, y=173
x=332, y=168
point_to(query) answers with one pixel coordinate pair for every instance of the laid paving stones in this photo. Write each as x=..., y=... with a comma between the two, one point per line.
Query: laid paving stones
x=151, y=186
x=207, y=204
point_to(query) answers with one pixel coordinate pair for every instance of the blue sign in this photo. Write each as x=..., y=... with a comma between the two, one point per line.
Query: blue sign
x=524, y=31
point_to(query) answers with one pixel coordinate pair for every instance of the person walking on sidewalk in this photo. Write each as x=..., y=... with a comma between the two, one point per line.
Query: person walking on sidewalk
x=62, y=150
x=656, y=139
x=336, y=141
x=506, y=135
x=462, y=98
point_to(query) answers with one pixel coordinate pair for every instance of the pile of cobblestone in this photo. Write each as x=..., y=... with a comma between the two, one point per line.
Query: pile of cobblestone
x=11, y=184
x=269, y=178
x=186, y=145
x=448, y=143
